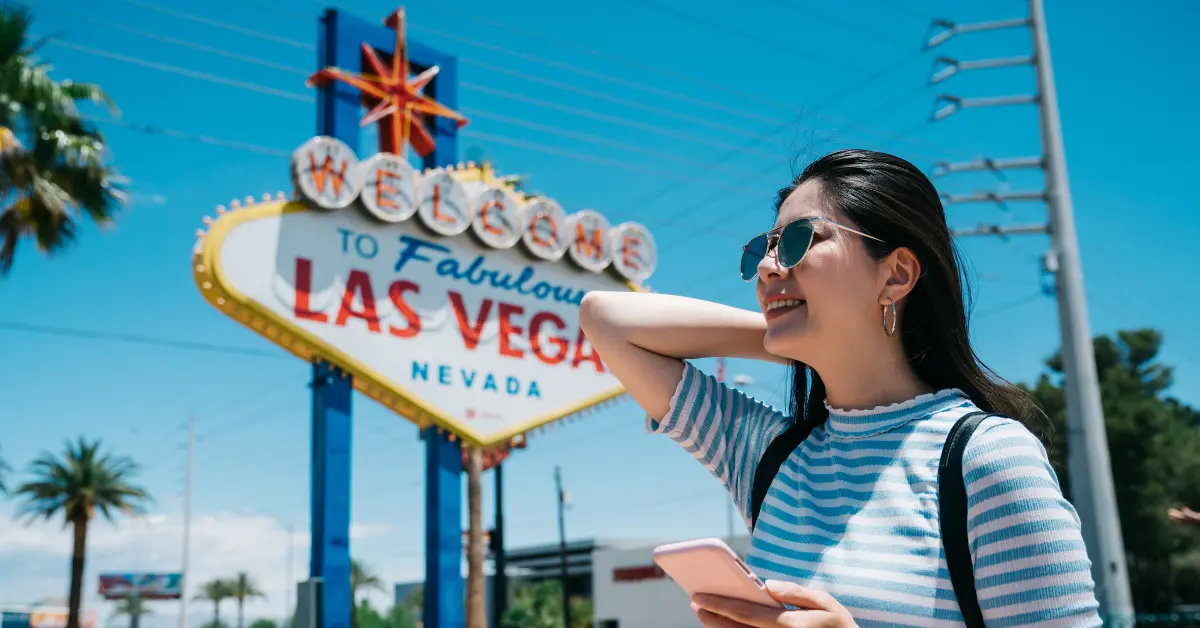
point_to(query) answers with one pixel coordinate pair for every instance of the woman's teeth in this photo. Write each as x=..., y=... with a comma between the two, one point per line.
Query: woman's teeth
x=784, y=303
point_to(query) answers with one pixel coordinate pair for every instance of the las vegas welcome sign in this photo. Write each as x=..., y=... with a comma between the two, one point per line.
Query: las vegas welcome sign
x=448, y=296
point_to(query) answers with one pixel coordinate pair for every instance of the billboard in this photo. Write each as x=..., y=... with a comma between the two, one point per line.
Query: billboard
x=148, y=586
x=448, y=295
x=43, y=617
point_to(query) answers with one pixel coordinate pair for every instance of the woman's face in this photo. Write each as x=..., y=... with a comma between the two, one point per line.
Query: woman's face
x=830, y=301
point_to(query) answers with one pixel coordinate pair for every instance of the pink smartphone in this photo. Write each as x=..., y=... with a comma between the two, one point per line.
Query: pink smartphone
x=709, y=566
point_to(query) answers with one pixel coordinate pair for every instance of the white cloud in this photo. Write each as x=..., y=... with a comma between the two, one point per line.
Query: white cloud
x=34, y=560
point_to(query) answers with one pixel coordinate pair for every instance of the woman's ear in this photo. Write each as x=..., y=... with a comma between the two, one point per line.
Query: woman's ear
x=899, y=272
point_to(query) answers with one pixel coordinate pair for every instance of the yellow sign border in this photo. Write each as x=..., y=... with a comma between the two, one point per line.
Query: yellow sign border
x=214, y=287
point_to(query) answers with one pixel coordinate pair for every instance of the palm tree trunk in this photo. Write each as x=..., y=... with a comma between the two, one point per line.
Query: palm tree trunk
x=216, y=613
x=78, y=553
x=476, y=613
x=241, y=604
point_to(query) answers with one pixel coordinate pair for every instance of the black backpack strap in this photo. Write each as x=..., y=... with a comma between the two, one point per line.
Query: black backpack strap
x=952, y=511
x=768, y=467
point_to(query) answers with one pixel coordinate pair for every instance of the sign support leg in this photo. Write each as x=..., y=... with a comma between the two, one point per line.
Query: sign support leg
x=331, y=393
x=444, y=601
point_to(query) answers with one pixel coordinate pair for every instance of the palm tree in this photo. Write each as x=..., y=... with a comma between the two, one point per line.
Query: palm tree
x=76, y=485
x=216, y=591
x=476, y=611
x=4, y=469
x=242, y=588
x=52, y=161
x=362, y=577
x=135, y=607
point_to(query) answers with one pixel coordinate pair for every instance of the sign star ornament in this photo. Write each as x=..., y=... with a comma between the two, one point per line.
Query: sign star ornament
x=399, y=106
x=448, y=295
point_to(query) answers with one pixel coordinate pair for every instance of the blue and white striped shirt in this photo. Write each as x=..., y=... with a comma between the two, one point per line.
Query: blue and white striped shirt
x=854, y=510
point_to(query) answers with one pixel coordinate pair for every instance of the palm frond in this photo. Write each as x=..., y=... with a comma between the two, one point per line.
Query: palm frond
x=79, y=482
x=53, y=160
x=14, y=28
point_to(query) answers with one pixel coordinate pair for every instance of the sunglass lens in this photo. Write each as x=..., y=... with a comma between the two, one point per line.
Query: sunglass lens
x=793, y=243
x=755, y=251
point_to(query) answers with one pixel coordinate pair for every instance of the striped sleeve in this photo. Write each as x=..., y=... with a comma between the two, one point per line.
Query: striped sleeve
x=1031, y=566
x=722, y=427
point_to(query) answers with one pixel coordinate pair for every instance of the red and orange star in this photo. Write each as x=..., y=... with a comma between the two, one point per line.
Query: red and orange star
x=396, y=100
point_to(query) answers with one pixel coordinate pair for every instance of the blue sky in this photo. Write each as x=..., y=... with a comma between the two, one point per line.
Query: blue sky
x=681, y=88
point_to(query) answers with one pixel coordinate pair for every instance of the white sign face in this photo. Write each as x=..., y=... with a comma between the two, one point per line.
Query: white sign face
x=634, y=255
x=389, y=188
x=499, y=218
x=546, y=230
x=327, y=172
x=485, y=339
x=444, y=206
x=590, y=247
x=476, y=332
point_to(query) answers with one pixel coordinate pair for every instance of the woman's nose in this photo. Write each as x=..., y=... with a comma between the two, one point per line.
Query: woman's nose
x=769, y=266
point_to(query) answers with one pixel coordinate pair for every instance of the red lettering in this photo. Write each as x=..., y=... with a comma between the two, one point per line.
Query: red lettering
x=303, y=288
x=358, y=283
x=319, y=174
x=627, y=251
x=382, y=187
x=470, y=332
x=535, y=339
x=507, y=329
x=437, y=203
x=396, y=293
x=486, y=211
x=592, y=248
x=592, y=356
x=537, y=236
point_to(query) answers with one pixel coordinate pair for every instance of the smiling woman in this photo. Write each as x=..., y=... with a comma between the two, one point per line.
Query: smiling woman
x=859, y=291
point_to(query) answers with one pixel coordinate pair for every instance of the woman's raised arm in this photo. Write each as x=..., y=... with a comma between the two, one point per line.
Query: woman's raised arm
x=643, y=339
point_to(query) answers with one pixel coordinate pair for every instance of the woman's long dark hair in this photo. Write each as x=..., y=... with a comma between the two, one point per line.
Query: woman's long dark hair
x=891, y=199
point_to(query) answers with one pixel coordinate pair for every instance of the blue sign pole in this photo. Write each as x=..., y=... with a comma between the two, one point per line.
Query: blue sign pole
x=339, y=111
x=444, y=591
x=332, y=389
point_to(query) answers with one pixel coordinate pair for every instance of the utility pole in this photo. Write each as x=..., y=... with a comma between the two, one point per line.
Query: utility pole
x=1092, y=491
x=562, y=546
x=499, y=559
x=289, y=611
x=187, y=520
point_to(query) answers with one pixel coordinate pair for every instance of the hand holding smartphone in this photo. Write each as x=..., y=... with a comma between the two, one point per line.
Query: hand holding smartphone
x=708, y=566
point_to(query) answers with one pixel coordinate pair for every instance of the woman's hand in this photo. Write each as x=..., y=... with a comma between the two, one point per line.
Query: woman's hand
x=815, y=609
x=1184, y=515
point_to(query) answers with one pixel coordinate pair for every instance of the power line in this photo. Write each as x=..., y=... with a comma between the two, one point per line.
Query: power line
x=136, y=339
x=212, y=78
x=790, y=48
x=222, y=25
x=533, y=58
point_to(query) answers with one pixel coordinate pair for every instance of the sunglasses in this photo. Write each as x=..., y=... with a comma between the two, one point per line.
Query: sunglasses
x=790, y=242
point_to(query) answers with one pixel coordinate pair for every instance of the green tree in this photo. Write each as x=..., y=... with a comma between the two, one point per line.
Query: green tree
x=1154, y=446
x=216, y=591
x=403, y=616
x=134, y=607
x=52, y=160
x=362, y=578
x=264, y=623
x=76, y=485
x=242, y=588
x=539, y=605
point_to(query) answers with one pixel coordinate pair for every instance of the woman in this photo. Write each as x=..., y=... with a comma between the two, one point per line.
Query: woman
x=859, y=290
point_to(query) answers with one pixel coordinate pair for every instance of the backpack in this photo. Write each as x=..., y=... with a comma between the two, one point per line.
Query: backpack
x=952, y=502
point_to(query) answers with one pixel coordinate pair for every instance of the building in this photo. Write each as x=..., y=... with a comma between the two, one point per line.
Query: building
x=630, y=591
x=619, y=576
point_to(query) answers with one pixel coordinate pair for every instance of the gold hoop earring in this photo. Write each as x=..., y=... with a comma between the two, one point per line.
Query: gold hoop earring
x=889, y=330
